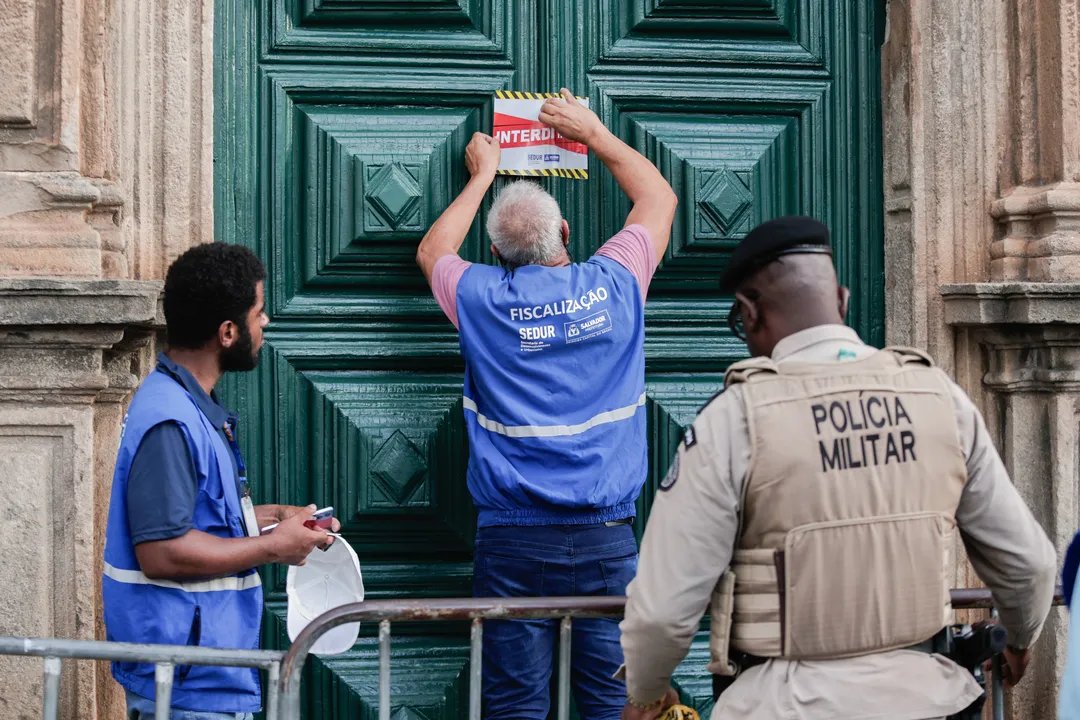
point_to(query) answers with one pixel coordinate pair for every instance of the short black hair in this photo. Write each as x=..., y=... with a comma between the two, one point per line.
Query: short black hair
x=206, y=286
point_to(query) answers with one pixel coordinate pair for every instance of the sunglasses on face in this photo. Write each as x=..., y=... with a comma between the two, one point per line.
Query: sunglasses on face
x=734, y=321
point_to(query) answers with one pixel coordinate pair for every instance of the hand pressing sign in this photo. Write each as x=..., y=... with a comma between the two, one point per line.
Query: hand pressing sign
x=542, y=134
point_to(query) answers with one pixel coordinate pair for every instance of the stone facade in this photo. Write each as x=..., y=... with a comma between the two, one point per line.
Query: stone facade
x=106, y=141
x=106, y=145
x=982, y=241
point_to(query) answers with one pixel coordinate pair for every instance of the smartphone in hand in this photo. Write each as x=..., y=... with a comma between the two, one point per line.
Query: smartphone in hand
x=323, y=518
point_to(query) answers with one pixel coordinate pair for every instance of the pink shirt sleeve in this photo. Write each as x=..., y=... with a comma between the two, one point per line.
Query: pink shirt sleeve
x=444, y=281
x=633, y=249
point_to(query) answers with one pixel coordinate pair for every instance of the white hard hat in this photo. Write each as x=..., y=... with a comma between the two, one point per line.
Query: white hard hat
x=325, y=581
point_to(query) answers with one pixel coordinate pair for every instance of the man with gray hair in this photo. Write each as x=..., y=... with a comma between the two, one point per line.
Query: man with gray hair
x=554, y=402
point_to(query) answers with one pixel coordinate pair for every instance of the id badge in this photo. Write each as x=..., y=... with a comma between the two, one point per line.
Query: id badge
x=251, y=522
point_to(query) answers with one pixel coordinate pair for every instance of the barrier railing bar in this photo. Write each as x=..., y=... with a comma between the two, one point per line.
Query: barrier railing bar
x=997, y=687
x=384, y=670
x=285, y=668
x=565, y=631
x=273, y=678
x=51, y=688
x=163, y=676
x=134, y=652
x=479, y=609
x=476, y=654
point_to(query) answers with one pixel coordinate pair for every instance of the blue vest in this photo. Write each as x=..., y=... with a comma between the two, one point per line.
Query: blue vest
x=224, y=612
x=554, y=392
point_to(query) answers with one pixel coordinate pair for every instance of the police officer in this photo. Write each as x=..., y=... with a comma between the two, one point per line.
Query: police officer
x=813, y=503
x=183, y=541
x=554, y=405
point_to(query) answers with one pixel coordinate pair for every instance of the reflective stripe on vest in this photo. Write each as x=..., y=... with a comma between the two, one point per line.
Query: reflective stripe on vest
x=521, y=431
x=554, y=392
x=231, y=583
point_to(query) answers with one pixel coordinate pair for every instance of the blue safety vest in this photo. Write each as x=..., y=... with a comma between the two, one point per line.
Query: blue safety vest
x=223, y=612
x=554, y=393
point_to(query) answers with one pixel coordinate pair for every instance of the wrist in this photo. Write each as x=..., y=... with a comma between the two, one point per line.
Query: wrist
x=269, y=547
x=484, y=178
x=642, y=705
x=596, y=135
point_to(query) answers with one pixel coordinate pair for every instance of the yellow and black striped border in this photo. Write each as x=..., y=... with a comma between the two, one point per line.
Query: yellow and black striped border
x=515, y=95
x=573, y=174
x=558, y=172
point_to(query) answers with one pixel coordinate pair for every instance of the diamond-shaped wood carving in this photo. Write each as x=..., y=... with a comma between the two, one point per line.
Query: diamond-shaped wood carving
x=388, y=450
x=724, y=197
x=356, y=174
x=398, y=469
x=730, y=174
x=393, y=193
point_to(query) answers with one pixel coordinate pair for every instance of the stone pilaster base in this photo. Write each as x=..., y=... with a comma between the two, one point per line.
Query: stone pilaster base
x=71, y=353
x=1029, y=337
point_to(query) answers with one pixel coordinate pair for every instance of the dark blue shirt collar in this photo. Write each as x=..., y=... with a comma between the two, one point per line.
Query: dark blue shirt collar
x=208, y=403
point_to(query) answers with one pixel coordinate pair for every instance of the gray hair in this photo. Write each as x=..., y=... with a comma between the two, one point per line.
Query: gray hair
x=525, y=225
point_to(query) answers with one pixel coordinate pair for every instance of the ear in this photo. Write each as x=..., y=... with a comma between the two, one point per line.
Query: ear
x=565, y=232
x=751, y=314
x=843, y=295
x=228, y=333
x=495, y=252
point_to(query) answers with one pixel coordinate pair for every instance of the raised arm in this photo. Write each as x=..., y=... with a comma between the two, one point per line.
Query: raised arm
x=449, y=231
x=654, y=200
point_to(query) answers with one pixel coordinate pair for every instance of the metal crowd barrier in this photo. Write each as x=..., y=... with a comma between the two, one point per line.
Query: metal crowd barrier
x=164, y=657
x=566, y=609
x=476, y=609
x=285, y=668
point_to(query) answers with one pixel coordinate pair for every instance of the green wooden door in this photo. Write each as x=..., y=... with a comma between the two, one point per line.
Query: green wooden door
x=341, y=126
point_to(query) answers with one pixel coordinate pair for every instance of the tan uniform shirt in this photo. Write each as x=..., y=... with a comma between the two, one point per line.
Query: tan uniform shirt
x=691, y=535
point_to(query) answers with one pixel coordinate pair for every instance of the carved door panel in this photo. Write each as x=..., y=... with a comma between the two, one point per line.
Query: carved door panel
x=341, y=127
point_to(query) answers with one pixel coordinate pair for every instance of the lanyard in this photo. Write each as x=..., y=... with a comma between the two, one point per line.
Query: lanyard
x=241, y=469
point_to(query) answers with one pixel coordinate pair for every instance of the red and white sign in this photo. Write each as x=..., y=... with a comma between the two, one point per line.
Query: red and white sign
x=531, y=148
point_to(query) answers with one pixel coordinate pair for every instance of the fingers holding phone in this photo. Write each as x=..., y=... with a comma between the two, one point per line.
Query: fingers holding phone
x=296, y=536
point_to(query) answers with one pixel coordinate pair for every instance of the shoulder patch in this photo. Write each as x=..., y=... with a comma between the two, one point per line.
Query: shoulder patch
x=689, y=437
x=672, y=475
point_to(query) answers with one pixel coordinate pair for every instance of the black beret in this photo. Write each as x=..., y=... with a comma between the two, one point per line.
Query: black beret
x=770, y=240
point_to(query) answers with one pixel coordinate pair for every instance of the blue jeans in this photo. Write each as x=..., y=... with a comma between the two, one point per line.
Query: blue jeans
x=139, y=708
x=519, y=654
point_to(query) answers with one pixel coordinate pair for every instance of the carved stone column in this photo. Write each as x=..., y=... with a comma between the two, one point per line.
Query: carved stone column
x=982, y=183
x=71, y=353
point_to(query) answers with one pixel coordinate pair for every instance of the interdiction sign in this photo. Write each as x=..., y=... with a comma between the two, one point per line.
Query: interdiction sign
x=528, y=146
